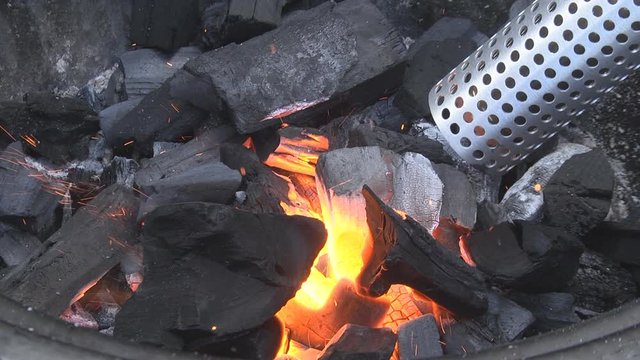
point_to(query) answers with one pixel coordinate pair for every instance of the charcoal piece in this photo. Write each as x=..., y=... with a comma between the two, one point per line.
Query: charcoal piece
x=296, y=150
x=551, y=310
x=524, y=200
x=164, y=24
x=406, y=182
x=29, y=200
x=305, y=185
x=525, y=256
x=261, y=343
x=403, y=252
x=16, y=246
x=217, y=271
x=419, y=339
x=266, y=192
x=504, y=321
x=158, y=117
x=161, y=147
x=79, y=317
x=461, y=338
x=147, y=69
x=213, y=182
x=458, y=198
x=619, y=241
x=106, y=89
x=111, y=116
x=354, y=342
x=315, y=328
x=488, y=215
x=249, y=18
x=449, y=29
x=360, y=62
x=83, y=250
x=120, y=170
x=213, y=17
x=578, y=196
x=53, y=127
x=601, y=284
x=429, y=65
x=365, y=135
x=203, y=149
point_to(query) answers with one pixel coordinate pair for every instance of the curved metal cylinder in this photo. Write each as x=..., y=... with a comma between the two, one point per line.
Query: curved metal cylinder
x=539, y=72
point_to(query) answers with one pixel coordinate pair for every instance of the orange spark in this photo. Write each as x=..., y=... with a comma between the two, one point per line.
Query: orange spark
x=243, y=171
x=174, y=107
x=128, y=143
x=537, y=187
x=7, y=132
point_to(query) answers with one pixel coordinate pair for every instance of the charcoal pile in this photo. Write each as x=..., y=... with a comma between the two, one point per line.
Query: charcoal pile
x=262, y=179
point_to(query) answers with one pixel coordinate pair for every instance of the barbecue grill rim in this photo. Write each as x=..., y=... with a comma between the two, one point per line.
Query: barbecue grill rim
x=47, y=334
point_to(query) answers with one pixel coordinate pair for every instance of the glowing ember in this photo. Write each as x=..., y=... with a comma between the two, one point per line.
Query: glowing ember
x=537, y=187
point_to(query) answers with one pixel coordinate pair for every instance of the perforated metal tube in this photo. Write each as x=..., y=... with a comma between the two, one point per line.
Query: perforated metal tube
x=543, y=69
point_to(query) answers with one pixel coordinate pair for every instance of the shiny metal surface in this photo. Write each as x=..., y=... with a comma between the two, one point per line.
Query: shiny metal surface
x=539, y=72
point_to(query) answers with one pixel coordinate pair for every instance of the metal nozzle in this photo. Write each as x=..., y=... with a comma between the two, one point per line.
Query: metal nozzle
x=543, y=69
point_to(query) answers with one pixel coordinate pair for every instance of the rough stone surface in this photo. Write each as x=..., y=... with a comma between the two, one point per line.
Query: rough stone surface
x=58, y=45
x=334, y=49
x=354, y=342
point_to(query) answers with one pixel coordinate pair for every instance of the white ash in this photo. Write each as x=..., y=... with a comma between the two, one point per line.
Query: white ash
x=524, y=200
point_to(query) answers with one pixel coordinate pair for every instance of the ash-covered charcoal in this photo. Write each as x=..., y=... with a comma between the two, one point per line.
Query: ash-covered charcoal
x=525, y=256
x=551, y=310
x=29, y=199
x=314, y=328
x=213, y=182
x=53, y=127
x=147, y=69
x=459, y=198
x=369, y=135
x=406, y=182
x=432, y=58
x=361, y=62
x=202, y=150
x=524, y=199
x=16, y=246
x=403, y=252
x=161, y=147
x=77, y=255
x=120, y=170
x=106, y=89
x=212, y=270
x=79, y=317
x=578, y=196
x=620, y=241
x=359, y=342
x=488, y=15
x=158, y=117
x=601, y=284
x=293, y=149
x=164, y=24
x=488, y=215
x=266, y=191
x=419, y=339
x=261, y=343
